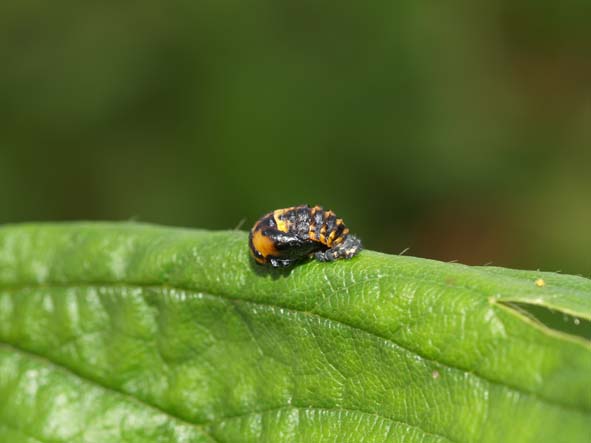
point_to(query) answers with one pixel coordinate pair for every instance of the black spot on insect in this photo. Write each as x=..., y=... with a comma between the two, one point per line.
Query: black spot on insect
x=285, y=236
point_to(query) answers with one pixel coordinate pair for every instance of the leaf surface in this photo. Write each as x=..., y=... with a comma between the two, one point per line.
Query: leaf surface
x=125, y=332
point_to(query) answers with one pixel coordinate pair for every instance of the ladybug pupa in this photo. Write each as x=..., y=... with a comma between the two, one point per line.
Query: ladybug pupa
x=285, y=236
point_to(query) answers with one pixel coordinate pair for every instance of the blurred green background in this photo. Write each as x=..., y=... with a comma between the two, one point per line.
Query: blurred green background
x=459, y=130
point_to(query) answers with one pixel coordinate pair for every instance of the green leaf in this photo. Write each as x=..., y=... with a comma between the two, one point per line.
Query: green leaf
x=131, y=333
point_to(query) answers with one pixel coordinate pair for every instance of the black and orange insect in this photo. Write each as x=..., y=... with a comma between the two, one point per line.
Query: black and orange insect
x=286, y=236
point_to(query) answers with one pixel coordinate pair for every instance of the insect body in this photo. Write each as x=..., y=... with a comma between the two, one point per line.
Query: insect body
x=285, y=236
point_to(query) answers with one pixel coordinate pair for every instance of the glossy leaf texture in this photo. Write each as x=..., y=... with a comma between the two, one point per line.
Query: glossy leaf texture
x=124, y=332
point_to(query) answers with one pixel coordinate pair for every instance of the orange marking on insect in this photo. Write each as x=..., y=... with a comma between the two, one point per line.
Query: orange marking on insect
x=312, y=231
x=282, y=225
x=263, y=244
x=330, y=238
x=323, y=234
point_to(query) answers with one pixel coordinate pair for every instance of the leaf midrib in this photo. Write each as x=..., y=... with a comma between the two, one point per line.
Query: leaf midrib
x=199, y=425
x=161, y=287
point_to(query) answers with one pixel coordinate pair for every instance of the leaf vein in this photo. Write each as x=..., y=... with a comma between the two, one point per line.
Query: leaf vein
x=202, y=426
